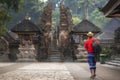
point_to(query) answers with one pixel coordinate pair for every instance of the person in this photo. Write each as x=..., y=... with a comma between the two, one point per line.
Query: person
x=91, y=54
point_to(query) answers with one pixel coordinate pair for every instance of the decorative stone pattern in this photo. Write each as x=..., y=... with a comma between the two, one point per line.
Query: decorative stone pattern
x=39, y=72
x=26, y=51
x=36, y=75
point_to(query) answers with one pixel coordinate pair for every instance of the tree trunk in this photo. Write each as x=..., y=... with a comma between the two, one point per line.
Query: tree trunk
x=86, y=10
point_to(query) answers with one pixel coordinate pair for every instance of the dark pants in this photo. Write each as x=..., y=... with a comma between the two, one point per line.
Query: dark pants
x=92, y=60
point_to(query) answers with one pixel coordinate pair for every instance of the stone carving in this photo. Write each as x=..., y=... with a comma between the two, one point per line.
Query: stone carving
x=27, y=51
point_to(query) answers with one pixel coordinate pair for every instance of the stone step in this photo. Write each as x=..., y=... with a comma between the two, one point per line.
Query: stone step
x=54, y=53
x=55, y=60
x=118, y=59
x=114, y=64
x=55, y=56
x=54, y=50
x=79, y=56
x=26, y=60
x=82, y=60
x=115, y=61
x=65, y=59
x=68, y=59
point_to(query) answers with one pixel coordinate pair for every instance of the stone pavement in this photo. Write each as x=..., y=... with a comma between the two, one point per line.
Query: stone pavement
x=55, y=71
x=37, y=71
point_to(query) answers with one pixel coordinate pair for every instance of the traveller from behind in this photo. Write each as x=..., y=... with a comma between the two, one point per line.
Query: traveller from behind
x=91, y=54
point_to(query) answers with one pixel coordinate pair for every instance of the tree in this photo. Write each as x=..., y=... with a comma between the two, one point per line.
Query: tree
x=76, y=20
x=72, y=5
x=55, y=16
x=4, y=17
x=6, y=5
x=90, y=10
x=32, y=7
x=11, y=4
x=38, y=5
x=87, y=9
x=86, y=5
x=98, y=18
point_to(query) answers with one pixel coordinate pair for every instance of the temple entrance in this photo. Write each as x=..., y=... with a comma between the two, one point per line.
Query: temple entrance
x=55, y=46
x=38, y=43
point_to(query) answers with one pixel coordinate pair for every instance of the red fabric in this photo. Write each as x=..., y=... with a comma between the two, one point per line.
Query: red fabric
x=88, y=44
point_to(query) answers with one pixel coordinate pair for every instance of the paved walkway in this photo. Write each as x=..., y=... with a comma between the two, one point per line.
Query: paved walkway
x=55, y=71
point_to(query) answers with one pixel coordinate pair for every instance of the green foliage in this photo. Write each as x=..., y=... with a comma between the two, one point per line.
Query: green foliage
x=88, y=9
x=4, y=16
x=5, y=6
x=11, y=4
x=32, y=7
x=87, y=3
x=72, y=5
x=3, y=30
x=55, y=16
x=76, y=20
x=38, y=5
x=85, y=6
x=98, y=18
x=106, y=51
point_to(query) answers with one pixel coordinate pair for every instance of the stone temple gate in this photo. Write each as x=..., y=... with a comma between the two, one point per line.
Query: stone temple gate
x=37, y=42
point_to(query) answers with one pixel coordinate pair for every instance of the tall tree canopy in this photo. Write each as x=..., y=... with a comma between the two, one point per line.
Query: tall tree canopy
x=78, y=8
x=88, y=9
x=5, y=6
x=32, y=7
x=11, y=4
